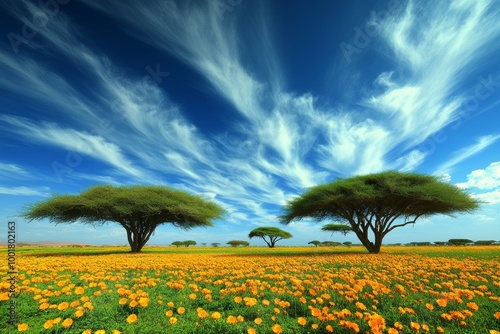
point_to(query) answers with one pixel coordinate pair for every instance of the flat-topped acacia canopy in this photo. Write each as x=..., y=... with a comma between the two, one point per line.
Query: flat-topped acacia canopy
x=139, y=209
x=371, y=204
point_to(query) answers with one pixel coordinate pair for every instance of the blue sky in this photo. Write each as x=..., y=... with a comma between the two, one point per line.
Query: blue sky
x=248, y=103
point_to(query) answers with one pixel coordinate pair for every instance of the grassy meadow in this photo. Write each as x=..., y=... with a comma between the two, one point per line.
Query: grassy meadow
x=183, y=290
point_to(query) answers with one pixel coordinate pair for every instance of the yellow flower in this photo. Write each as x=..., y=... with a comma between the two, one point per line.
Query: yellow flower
x=172, y=320
x=277, y=329
x=67, y=323
x=237, y=299
x=442, y=302
x=258, y=321
x=231, y=320
x=99, y=331
x=202, y=314
x=79, y=291
x=329, y=329
x=132, y=318
x=89, y=331
x=116, y=331
x=251, y=331
x=314, y=326
x=48, y=324
x=302, y=321
x=181, y=310
x=63, y=306
x=57, y=320
x=22, y=327
x=169, y=313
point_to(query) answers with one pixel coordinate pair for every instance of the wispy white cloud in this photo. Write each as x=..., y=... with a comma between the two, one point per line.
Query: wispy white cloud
x=11, y=171
x=466, y=152
x=25, y=191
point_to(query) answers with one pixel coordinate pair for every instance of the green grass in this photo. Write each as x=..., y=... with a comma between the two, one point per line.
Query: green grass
x=342, y=275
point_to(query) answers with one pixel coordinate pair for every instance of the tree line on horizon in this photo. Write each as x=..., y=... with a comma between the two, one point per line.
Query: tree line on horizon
x=364, y=205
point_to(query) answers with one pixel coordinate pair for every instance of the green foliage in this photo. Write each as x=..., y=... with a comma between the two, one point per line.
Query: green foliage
x=178, y=243
x=460, y=242
x=270, y=235
x=236, y=243
x=347, y=243
x=372, y=203
x=314, y=242
x=188, y=243
x=330, y=243
x=215, y=244
x=485, y=242
x=342, y=228
x=138, y=209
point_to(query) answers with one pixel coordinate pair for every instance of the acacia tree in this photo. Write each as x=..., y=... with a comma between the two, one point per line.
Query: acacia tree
x=314, y=242
x=138, y=209
x=274, y=235
x=236, y=243
x=372, y=204
x=188, y=243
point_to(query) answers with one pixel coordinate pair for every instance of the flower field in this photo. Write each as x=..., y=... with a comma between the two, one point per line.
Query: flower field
x=255, y=290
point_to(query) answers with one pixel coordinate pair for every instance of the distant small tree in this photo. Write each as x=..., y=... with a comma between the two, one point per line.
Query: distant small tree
x=236, y=243
x=484, y=242
x=178, y=243
x=203, y=243
x=188, y=243
x=347, y=243
x=459, y=242
x=270, y=235
x=215, y=244
x=440, y=243
x=314, y=242
x=330, y=243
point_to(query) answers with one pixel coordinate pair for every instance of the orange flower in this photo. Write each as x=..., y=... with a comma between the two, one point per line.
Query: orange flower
x=277, y=329
x=63, y=306
x=429, y=306
x=251, y=331
x=202, y=314
x=172, y=320
x=231, y=320
x=238, y=299
x=473, y=306
x=48, y=324
x=181, y=310
x=67, y=323
x=440, y=329
x=329, y=329
x=22, y=327
x=392, y=331
x=497, y=315
x=314, y=326
x=258, y=321
x=442, y=302
x=79, y=313
x=169, y=313
x=414, y=326
x=44, y=306
x=302, y=321
x=132, y=318
x=79, y=291
x=216, y=316
x=192, y=296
